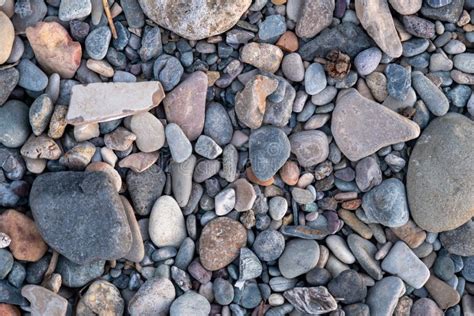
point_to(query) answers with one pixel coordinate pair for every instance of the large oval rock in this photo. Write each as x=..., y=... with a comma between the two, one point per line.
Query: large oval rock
x=167, y=227
x=14, y=124
x=80, y=215
x=195, y=19
x=220, y=242
x=440, y=181
x=153, y=298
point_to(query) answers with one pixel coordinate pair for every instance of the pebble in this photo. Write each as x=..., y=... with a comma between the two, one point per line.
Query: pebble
x=7, y=37
x=185, y=105
x=398, y=81
x=311, y=300
x=225, y=202
x=364, y=252
x=450, y=12
x=425, y=306
x=14, y=126
x=278, y=207
x=446, y=135
x=31, y=77
x=40, y=114
x=339, y=248
x=269, y=245
x=314, y=17
x=406, y=7
x=383, y=297
x=223, y=291
x=361, y=127
x=217, y=124
x=155, y=296
x=149, y=131
x=468, y=269
x=102, y=298
x=348, y=286
x=75, y=275
x=44, y=301
x=178, y=143
x=310, y=147
x=167, y=226
x=411, y=234
x=458, y=241
x=8, y=80
x=293, y=68
x=418, y=27
x=207, y=147
x=367, y=61
x=315, y=79
x=245, y=195
x=74, y=10
x=168, y=70
x=464, y=62
x=181, y=174
x=67, y=198
x=190, y=303
x=266, y=57
x=444, y=295
x=97, y=42
x=6, y=263
x=152, y=46
x=271, y=28
x=250, y=266
x=299, y=257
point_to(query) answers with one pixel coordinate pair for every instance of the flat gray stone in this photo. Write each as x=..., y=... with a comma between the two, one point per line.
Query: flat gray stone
x=14, y=124
x=459, y=241
x=153, y=298
x=432, y=96
x=76, y=275
x=383, y=296
x=299, y=257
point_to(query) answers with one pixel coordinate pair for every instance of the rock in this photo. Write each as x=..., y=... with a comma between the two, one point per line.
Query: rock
x=190, y=303
x=5, y=240
x=339, y=248
x=205, y=169
x=97, y=42
x=383, y=296
x=446, y=13
x=74, y=10
x=40, y=114
x=310, y=147
x=168, y=70
x=269, y=245
x=223, y=291
x=406, y=7
x=41, y=147
x=444, y=295
x=75, y=275
x=398, y=81
x=315, y=79
x=413, y=235
x=180, y=147
x=419, y=27
x=31, y=77
x=368, y=174
x=386, y=204
x=225, y=201
x=288, y=42
x=26, y=242
x=78, y=157
x=137, y=250
x=250, y=266
x=102, y=102
x=245, y=195
x=152, y=46
x=8, y=80
x=279, y=113
x=361, y=127
x=364, y=252
x=195, y=20
x=425, y=306
x=464, y=62
x=315, y=17
x=299, y=257
x=367, y=60
x=217, y=124
x=6, y=263
x=458, y=241
x=207, y=147
x=185, y=105
x=9, y=310
x=377, y=20
x=250, y=103
x=102, y=298
x=14, y=126
x=57, y=124
x=433, y=156
x=348, y=286
x=266, y=57
x=145, y=188
x=153, y=298
x=7, y=36
x=220, y=242
x=167, y=227
x=399, y=259
x=139, y=162
x=34, y=12
x=44, y=301
x=269, y=148
x=292, y=67
x=271, y=28
x=181, y=176
x=149, y=131
x=54, y=49
x=311, y=300
x=434, y=98
x=69, y=195
x=10, y=294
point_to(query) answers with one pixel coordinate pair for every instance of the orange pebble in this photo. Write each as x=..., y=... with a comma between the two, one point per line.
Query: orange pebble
x=290, y=172
x=288, y=42
x=9, y=310
x=251, y=176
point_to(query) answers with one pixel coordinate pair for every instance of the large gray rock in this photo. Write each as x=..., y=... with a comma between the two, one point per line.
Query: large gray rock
x=195, y=19
x=80, y=215
x=440, y=178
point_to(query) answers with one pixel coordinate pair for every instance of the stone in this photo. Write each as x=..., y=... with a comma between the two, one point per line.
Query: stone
x=361, y=126
x=40, y=114
x=41, y=147
x=101, y=67
x=444, y=295
x=425, y=306
x=14, y=125
x=57, y=124
x=271, y=28
x=292, y=67
x=339, y=248
x=145, y=188
x=364, y=252
x=311, y=300
x=31, y=77
x=10, y=294
x=245, y=195
x=410, y=233
x=103, y=102
x=44, y=301
x=386, y=204
x=180, y=146
x=398, y=81
x=368, y=174
x=269, y=245
x=102, y=298
x=315, y=17
x=28, y=15
x=181, y=176
x=190, y=303
x=76, y=275
x=70, y=195
x=217, y=124
x=399, y=259
x=220, y=242
x=225, y=201
x=464, y=62
x=54, y=49
x=266, y=57
x=97, y=42
x=149, y=131
x=85, y=132
x=152, y=46
x=432, y=96
x=288, y=42
x=250, y=266
x=195, y=20
x=348, y=286
x=446, y=13
x=419, y=27
x=7, y=36
x=383, y=296
x=74, y=10
x=186, y=104
x=6, y=263
x=9, y=310
x=250, y=103
x=167, y=226
x=26, y=242
x=299, y=257
x=5, y=240
x=433, y=156
x=468, y=268
x=137, y=250
x=153, y=298
x=207, y=147
x=78, y=157
x=377, y=20
x=223, y=291
x=8, y=80
x=315, y=79
x=278, y=113
x=406, y=7
x=269, y=148
x=168, y=70
x=309, y=147
x=459, y=241
x=367, y=60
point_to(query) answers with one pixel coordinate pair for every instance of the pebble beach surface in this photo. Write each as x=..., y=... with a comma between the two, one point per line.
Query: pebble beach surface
x=234, y=158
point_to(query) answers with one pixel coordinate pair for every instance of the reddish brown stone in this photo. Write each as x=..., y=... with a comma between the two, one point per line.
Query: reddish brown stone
x=9, y=310
x=251, y=176
x=288, y=42
x=351, y=205
x=410, y=233
x=290, y=172
x=27, y=243
x=220, y=243
x=54, y=48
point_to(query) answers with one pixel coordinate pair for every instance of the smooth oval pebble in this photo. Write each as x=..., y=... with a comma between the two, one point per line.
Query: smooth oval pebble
x=167, y=226
x=149, y=131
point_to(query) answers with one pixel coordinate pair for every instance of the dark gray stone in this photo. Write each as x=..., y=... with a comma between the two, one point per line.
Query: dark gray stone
x=75, y=275
x=459, y=241
x=6, y=263
x=97, y=42
x=14, y=124
x=10, y=294
x=223, y=291
x=168, y=70
x=383, y=296
x=151, y=43
x=133, y=13
x=217, y=124
x=448, y=13
x=398, y=81
x=35, y=270
x=8, y=80
x=348, y=286
x=269, y=245
x=31, y=77
x=80, y=215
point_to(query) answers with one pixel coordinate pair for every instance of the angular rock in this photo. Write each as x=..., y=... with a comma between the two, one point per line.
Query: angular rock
x=310, y=147
x=167, y=227
x=361, y=127
x=145, y=188
x=102, y=102
x=195, y=20
x=250, y=266
x=377, y=20
x=84, y=204
x=44, y=301
x=153, y=298
x=8, y=80
x=442, y=152
x=266, y=57
x=315, y=17
x=54, y=49
x=311, y=300
x=186, y=104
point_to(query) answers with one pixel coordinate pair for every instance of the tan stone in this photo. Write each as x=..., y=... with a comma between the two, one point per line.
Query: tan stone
x=290, y=172
x=244, y=195
x=44, y=301
x=79, y=156
x=410, y=233
x=377, y=84
x=406, y=7
x=7, y=36
x=8, y=7
x=86, y=131
x=266, y=57
x=149, y=131
x=139, y=162
x=120, y=139
x=103, y=298
x=315, y=17
x=54, y=49
x=106, y=101
x=442, y=292
x=353, y=222
x=35, y=166
x=26, y=241
x=137, y=251
x=58, y=123
x=41, y=147
x=101, y=67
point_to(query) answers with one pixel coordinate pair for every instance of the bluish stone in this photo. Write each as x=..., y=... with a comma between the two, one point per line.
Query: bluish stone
x=420, y=61
x=398, y=81
x=250, y=295
x=459, y=95
x=123, y=36
x=444, y=267
x=315, y=79
x=187, y=58
x=151, y=43
x=75, y=275
x=223, y=291
x=415, y=46
x=10, y=294
x=168, y=70
x=272, y=28
x=97, y=42
x=17, y=275
x=6, y=263
x=31, y=77
x=217, y=124
x=468, y=270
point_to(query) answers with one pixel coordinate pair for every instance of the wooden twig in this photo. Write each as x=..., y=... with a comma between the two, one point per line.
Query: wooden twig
x=52, y=265
x=109, y=18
